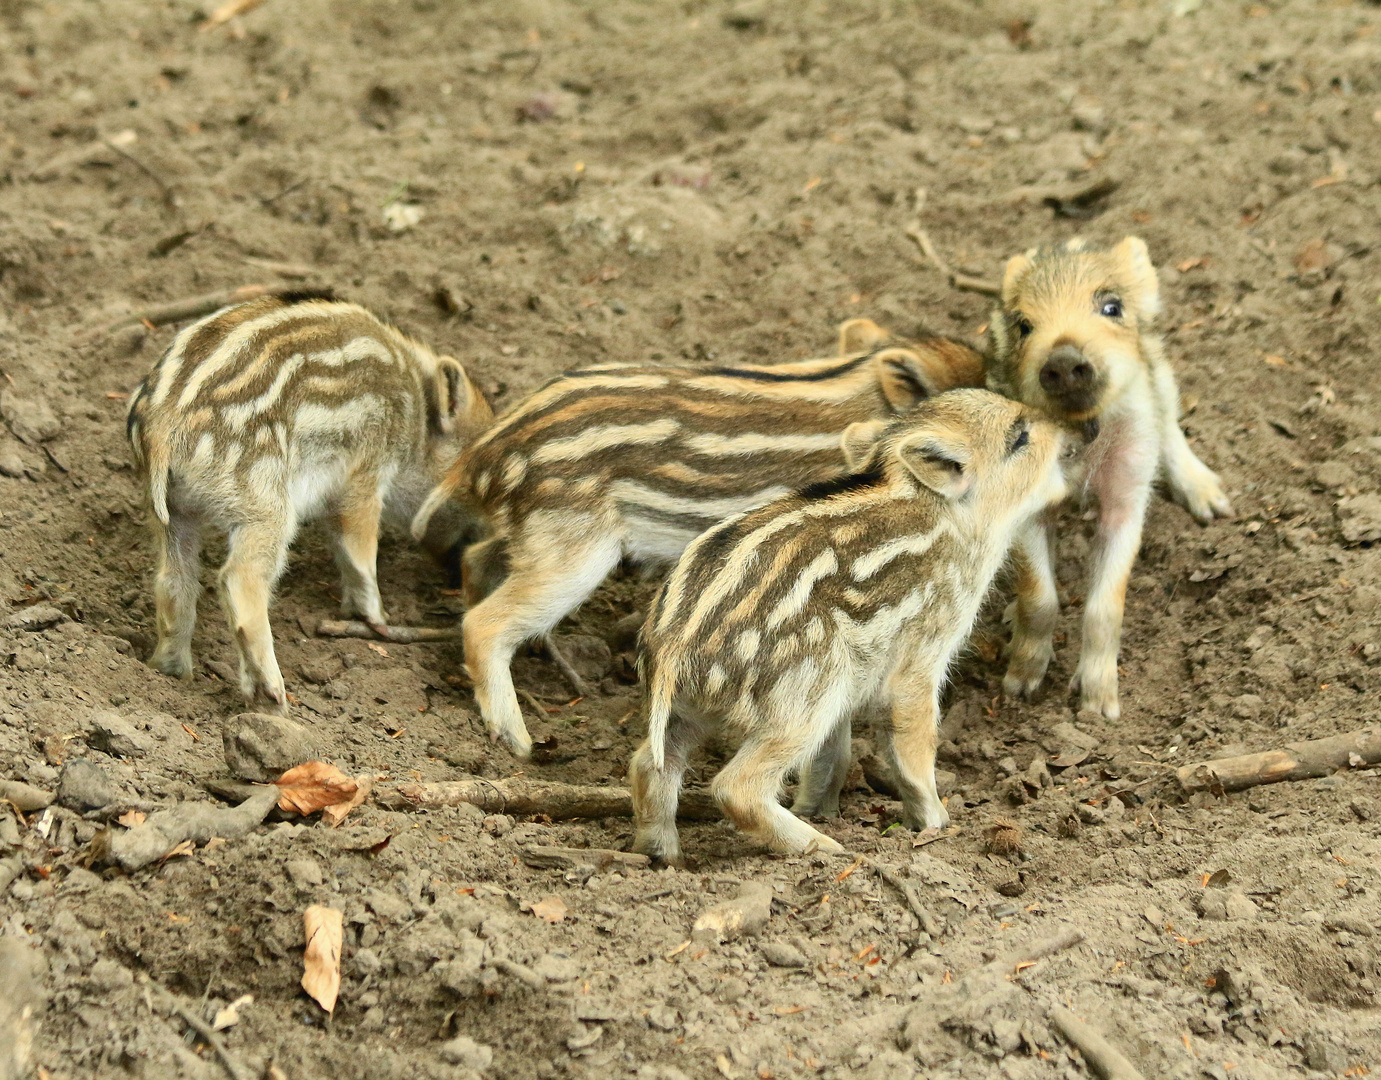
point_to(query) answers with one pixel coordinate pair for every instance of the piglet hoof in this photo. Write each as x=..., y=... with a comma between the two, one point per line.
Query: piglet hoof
x=380, y=629
x=519, y=742
x=1097, y=695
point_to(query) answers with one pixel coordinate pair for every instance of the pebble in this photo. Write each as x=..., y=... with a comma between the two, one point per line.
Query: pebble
x=83, y=785
x=780, y=954
x=25, y=796
x=37, y=617
x=463, y=1050
x=304, y=873
x=1323, y=1054
x=31, y=419
x=731, y=989
x=262, y=747
x=663, y=1018
x=118, y=736
x=1219, y=906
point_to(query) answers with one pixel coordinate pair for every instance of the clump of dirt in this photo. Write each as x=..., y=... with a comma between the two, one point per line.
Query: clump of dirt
x=532, y=186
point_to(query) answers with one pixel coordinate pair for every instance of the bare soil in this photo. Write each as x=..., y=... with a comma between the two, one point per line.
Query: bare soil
x=635, y=179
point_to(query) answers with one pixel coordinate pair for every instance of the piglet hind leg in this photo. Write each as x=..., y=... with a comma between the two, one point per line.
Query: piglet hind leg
x=1034, y=616
x=822, y=778
x=177, y=586
x=747, y=788
x=258, y=552
x=357, y=552
x=546, y=581
x=656, y=792
x=915, y=716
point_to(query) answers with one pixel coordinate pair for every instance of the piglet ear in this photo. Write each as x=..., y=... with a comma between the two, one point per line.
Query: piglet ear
x=860, y=335
x=907, y=378
x=859, y=442
x=1135, y=262
x=453, y=393
x=1015, y=270
x=940, y=460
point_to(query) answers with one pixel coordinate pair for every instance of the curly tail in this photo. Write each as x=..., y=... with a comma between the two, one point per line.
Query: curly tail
x=439, y=497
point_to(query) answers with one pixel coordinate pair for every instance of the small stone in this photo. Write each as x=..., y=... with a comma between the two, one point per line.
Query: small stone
x=1155, y=917
x=109, y=976
x=387, y=905
x=463, y=1050
x=83, y=785
x=262, y=747
x=731, y=989
x=1090, y=815
x=1115, y=808
x=1248, y=707
x=304, y=873
x=743, y=916
x=1323, y=1054
x=1239, y=906
x=663, y=1018
x=117, y=736
x=35, y=618
x=1066, y=734
x=31, y=419
x=556, y=967
x=25, y=796
x=780, y=954
x=11, y=461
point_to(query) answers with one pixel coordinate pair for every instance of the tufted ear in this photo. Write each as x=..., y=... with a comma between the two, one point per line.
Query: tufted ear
x=940, y=459
x=906, y=378
x=859, y=441
x=1012, y=274
x=454, y=394
x=1134, y=260
x=860, y=335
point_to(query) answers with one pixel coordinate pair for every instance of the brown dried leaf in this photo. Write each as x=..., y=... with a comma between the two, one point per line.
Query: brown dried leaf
x=227, y=11
x=184, y=848
x=552, y=909
x=321, y=962
x=313, y=786
x=130, y=818
x=333, y=815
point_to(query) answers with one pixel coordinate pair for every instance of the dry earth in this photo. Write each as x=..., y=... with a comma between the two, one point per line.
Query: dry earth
x=632, y=179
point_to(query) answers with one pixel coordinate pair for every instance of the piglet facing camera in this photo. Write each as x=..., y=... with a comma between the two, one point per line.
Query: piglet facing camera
x=272, y=413
x=782, y=622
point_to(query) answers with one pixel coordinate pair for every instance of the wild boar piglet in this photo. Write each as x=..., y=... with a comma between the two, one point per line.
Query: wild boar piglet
x=633, y=461
x=1075, y=338
x=271, y=413
x=781, y=623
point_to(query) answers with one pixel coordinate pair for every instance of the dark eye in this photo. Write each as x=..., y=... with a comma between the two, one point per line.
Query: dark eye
x=1023, y=326
x=1111, y=309
x=1021, y=440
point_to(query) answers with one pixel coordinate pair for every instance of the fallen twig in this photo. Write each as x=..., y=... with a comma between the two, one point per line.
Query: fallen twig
x=191, y=307
x=168, y=196
x=1297, y=761
x=209, y=1036
x=1103, y=1058
x=913, y=900
x=963, y=282
x=197, y=822
x=558, y=658
x=227, y=11
x=564, y=858
x=397, y=635
x=519, y=795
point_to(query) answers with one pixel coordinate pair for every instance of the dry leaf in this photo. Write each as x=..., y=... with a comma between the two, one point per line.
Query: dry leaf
x=184, y=848
x=321, y=962
x=230, y=1015
x=227, y=11
x=333, y=815
x=130, y=818
x=552, y=909
x=377, y=648
x=1195, y=263
x=310, y=787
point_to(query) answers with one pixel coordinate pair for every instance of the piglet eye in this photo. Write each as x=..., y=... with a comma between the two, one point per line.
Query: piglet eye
x=1111, y=309
x=1023, y=327
x=1021, y=440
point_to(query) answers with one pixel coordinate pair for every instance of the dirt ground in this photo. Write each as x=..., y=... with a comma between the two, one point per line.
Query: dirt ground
x=580, y=182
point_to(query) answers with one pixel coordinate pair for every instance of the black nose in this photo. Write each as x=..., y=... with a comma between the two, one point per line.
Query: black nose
x=1066, y=373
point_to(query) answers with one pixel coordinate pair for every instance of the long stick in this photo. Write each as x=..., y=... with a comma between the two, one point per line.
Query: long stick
x=564, y=666
x=1103, y=1058
x=190, y=307
x=964, y=282
x=1297, y=761
x=913, y=901
x=399, y=635
x=519, y=795
x=209, y=1036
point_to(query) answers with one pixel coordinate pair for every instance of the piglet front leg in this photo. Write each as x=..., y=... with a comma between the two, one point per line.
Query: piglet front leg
x=1036, y=610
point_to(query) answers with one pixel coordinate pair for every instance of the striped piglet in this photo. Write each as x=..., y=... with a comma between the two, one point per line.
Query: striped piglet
x=635, y=461
x=268, y=414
